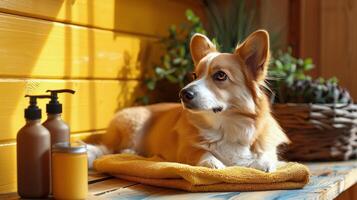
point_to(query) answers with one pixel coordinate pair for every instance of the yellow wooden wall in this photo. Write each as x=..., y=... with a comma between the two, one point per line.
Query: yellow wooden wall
x=100, y=48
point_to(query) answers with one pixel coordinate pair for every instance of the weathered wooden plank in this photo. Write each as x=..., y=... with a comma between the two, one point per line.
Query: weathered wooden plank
x=91, y=108
x=148, y=192
x=94, y=176
x=14, y=196
x=147, y=17
x=41, y=49
x=110, y=185
x=328, y=180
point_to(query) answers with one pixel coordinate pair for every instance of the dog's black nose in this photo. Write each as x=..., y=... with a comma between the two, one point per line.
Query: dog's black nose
x=187, y=95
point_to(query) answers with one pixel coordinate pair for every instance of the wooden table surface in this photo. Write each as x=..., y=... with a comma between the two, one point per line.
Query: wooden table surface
x=328, y=180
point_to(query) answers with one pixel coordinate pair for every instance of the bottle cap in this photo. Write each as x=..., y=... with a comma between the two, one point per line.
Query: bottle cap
x=70, y=147
x=33, y=112
x=54, y=106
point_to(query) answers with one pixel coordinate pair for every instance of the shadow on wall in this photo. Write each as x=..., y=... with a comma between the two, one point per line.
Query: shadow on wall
x=12, y=41
x=22, y=40
x=132, y=88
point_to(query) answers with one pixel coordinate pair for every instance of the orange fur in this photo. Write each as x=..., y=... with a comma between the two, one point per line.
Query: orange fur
x=228, y=123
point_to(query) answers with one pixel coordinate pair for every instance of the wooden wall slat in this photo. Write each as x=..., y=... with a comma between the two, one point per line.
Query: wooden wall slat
x=328, y=35
x=147, y=17
x=338, y=42
x=41, y=49
x=91, y=108
x=310, y=32
x=273, y=16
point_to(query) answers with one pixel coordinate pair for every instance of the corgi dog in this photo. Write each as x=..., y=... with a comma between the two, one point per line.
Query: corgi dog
x=224, y=118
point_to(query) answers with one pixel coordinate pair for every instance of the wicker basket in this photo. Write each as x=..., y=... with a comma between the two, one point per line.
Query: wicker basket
x=319, y=132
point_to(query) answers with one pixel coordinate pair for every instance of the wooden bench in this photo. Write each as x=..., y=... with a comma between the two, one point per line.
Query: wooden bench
x=328, y=181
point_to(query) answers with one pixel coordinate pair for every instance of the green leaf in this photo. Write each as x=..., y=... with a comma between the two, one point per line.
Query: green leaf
x=320, y=80
x=167, y=61
x=308, y=67
x=189, y=14
x=172, y=78
x=308, y=61
x=182, y=51
x=279, y=65
x=176, y=61
x=150, y=84
x=333, y=80
x=300, y=62
x=172, y=30
x=160, y=72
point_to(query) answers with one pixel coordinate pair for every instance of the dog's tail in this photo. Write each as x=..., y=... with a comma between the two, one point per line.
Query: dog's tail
x=95, y=151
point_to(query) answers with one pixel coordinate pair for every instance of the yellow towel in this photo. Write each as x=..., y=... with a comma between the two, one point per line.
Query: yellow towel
x=155, y=171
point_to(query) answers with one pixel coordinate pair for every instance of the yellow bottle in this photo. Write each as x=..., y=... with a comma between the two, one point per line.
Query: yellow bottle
x=69, y=171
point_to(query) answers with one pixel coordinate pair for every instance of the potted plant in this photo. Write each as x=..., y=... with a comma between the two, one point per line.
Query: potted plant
x=318, y=115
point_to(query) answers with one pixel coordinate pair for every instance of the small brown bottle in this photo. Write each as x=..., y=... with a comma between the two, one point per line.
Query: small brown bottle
x=33, y=154
x=59, y=130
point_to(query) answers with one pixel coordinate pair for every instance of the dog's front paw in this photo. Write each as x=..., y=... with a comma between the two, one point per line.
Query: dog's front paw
x=264, y=165
x=211, y=162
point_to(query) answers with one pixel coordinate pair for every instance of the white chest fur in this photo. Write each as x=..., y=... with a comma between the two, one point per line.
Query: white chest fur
x=229, y=140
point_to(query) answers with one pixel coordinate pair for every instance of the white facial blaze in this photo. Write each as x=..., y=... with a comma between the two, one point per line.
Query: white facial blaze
x=206, y=99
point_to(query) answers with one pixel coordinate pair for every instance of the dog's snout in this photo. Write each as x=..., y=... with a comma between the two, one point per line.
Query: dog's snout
x=187, y=95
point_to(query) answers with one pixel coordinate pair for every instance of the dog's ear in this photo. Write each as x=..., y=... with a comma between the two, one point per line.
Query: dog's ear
x=200, y=46
x=255, y=53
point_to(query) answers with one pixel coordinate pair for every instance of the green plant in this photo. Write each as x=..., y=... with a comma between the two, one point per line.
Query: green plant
x=176, y=64
x=317, y=91
x=284, y=69
x=227, y=27
x=230, y=22
x=290, y=83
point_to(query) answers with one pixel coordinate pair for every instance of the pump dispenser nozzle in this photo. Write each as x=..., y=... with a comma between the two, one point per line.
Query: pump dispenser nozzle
x=54, y=106
x=33, y=112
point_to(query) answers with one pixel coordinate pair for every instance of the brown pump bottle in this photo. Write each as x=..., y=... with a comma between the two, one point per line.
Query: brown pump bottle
x=33, y=154
x=59, y=130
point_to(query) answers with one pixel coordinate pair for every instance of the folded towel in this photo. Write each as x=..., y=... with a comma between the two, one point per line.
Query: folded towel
x=155, y=171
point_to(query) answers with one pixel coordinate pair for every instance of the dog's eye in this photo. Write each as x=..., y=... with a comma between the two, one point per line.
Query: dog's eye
x=194, y=76
x=220, y=76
